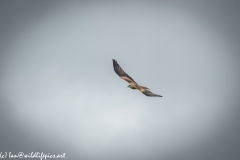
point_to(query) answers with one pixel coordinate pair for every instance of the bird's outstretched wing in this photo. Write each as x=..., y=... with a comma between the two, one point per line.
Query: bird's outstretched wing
x=150, y=94
x=121, y=72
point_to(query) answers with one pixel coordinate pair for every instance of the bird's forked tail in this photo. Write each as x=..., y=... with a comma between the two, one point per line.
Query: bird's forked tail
x=145, y=87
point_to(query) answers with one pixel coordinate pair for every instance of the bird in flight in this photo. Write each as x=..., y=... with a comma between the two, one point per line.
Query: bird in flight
x=132, y=84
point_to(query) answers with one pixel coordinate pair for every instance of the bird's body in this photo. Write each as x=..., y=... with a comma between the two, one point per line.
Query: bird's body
x=134, y=86
x=132, y=83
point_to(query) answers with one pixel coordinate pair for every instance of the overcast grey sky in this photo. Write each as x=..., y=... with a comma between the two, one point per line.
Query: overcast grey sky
x=60, y=94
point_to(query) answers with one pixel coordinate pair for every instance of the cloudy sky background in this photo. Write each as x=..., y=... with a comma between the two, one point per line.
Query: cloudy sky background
x=59, y=93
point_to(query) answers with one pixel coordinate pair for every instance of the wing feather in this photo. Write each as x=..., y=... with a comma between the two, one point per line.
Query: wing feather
x=150, y=94
x=120, y=72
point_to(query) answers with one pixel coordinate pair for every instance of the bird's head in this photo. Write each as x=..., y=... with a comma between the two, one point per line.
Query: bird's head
x=132, y=87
